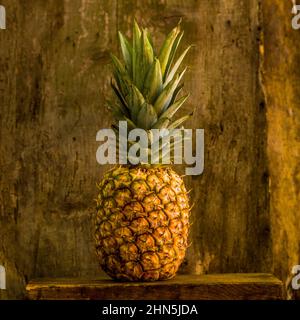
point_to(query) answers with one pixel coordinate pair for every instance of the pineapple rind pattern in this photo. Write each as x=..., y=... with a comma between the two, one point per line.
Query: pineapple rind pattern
x=142, y=223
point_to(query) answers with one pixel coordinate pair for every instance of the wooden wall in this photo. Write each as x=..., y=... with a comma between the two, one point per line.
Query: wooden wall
x=54, y=78
x=281, y=81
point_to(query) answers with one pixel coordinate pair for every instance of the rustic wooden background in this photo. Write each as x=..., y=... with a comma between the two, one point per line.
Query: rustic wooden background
x=244, y=81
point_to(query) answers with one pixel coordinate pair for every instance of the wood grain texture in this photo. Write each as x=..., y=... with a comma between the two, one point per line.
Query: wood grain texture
x=54, y=63
x=184, y=287
x=281, y=85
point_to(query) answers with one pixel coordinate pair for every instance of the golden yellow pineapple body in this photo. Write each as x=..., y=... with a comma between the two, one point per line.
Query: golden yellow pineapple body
x=142, y=223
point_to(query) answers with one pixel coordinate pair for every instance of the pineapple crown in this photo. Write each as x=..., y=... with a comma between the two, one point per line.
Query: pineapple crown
x=147, y=86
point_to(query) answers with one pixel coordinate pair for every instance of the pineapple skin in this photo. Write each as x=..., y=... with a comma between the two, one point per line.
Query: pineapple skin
x=141, y=223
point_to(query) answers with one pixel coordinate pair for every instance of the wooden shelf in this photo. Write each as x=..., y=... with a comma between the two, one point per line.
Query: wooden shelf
x=183, y=287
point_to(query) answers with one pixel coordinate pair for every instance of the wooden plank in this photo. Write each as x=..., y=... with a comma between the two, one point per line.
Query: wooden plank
x=281, y=78
x=191, y=287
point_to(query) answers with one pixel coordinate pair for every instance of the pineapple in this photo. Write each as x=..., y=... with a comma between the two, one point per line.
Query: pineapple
x=142, y=218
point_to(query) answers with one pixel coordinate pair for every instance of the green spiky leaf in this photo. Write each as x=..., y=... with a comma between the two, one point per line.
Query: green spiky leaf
x=147, y=53
x=164, y=99
x=179, y=122
x=177, y=64
x=176, y=93
x=136, y=54
x=153, y=83
x=173, y=53
x=166, y=49
x=162, y=123
x=146, y=117
x=119, y=95
x=121, y=76
x=126, y=51
x=169, y=113
x=135, y=101
x=117, y=64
